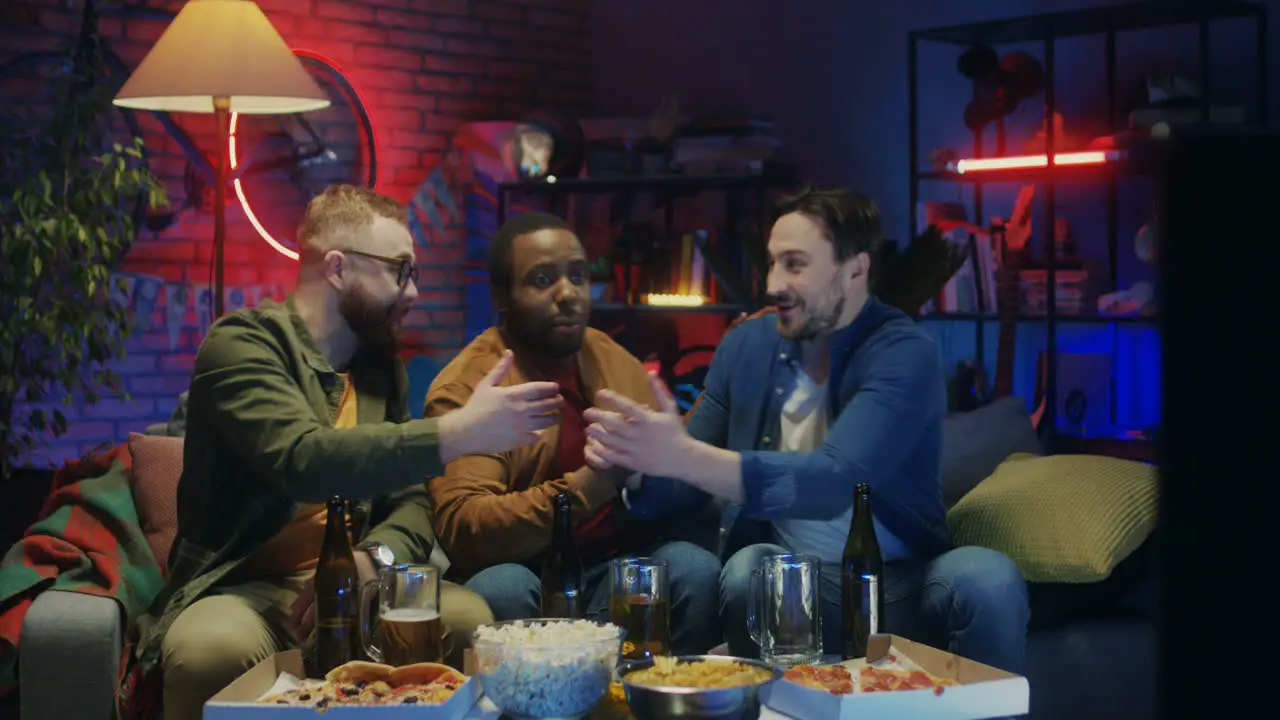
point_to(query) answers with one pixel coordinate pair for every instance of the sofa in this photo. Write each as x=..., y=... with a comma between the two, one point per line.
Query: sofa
x=1090, y=650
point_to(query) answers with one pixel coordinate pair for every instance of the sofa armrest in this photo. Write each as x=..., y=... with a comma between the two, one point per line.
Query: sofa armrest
x=70, y=640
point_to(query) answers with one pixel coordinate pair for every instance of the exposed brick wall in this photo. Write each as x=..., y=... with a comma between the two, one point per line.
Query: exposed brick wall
x=422, y=67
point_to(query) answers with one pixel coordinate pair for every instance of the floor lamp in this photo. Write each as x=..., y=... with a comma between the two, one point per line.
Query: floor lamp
x=220, y=57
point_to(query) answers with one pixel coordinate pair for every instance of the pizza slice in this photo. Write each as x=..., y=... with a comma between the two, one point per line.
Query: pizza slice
x=874, y=679
x=312, y=696
x=366, y=683
x=424, y=674
x=359, y=671
x=424, y=684
x=375, y=693
x=834, y=679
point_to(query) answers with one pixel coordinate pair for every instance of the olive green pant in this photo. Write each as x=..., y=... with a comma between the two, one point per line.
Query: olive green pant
x=224, y=634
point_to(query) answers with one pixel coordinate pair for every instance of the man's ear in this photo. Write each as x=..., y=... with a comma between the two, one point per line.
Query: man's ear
x=859, y=264
x=333, y=269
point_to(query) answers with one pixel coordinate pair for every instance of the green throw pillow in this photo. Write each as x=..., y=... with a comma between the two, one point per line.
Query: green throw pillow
x=1061, y=518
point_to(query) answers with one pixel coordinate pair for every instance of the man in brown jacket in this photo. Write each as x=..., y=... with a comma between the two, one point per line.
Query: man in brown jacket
x=494, y=512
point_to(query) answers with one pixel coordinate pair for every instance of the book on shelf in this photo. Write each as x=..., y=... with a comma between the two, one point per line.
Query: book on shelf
x=973, y=287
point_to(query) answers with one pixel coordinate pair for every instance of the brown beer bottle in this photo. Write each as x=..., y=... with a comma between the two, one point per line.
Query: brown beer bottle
x=861, y=578
x=337, y=594
x=562, y=595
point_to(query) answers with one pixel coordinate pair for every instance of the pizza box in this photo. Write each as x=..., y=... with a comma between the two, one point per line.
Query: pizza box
x=238, y=701
x=983, y=692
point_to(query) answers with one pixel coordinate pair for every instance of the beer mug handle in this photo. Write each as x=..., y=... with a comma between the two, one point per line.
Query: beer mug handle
x=753, y=606
x=368, y=603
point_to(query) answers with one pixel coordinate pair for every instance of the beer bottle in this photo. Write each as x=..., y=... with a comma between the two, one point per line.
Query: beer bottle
x=562, y=595
x=861, y=578
x=337, y=588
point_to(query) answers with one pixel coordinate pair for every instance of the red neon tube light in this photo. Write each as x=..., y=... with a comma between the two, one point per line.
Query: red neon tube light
x=1019, y=162
x=239, y=188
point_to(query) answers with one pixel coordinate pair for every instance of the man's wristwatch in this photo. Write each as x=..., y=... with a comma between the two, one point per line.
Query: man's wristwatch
x=381, y=555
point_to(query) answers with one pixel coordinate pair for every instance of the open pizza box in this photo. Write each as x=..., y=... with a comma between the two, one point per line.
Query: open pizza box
x=983, y=691
x=238, y=701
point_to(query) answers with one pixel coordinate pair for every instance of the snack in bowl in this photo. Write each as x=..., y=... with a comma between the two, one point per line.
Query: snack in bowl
x=546, y=668
x=699, y=674
x=366, y=683
x=695, y=686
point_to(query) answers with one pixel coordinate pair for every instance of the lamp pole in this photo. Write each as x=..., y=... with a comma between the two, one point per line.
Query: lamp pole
x=223, y=117
x=222, y=114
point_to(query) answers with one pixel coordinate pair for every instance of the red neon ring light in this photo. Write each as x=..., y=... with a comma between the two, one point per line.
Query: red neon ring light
x=231, y=153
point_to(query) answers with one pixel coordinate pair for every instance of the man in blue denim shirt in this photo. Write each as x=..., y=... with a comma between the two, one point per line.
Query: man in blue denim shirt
x=836, y=389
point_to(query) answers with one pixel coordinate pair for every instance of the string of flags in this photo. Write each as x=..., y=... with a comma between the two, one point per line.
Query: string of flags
x=145, y=295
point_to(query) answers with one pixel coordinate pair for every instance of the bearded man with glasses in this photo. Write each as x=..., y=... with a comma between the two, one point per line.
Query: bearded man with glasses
x=289, y=405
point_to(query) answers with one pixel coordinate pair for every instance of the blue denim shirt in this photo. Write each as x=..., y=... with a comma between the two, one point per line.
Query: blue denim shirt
x=887, y=399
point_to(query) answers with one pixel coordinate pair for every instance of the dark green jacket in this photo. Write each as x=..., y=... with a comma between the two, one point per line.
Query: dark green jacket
x=260, y=440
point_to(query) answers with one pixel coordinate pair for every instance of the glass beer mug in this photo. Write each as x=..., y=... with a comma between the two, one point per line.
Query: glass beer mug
x=408, y=626
x=784, y=609
x=640, y=603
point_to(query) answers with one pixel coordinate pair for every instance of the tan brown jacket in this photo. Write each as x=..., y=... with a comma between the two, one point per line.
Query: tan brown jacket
x=493, y=509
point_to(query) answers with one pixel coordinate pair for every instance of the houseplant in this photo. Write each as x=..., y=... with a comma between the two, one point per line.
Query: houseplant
x=70, y=196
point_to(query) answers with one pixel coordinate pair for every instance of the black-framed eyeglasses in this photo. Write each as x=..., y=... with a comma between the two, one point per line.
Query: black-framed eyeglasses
x=407, y=269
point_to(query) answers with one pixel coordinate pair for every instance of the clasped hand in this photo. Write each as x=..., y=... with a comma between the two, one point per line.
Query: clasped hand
x=624, y=433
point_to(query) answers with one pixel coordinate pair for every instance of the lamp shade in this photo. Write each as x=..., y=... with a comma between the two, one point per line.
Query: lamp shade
x=221, y=49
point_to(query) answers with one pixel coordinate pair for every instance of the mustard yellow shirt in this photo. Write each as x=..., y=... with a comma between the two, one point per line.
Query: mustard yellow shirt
x=296, y=548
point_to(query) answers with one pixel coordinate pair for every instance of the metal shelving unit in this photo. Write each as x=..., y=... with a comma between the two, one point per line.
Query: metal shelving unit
x=1047, y=29
x=744, y=194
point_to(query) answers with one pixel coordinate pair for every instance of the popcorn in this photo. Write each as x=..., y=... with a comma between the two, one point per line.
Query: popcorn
x=546, y=668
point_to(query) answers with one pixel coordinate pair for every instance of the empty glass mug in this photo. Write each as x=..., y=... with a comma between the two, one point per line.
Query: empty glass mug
x=784, y=609
x=640, y=603
x=408, y=626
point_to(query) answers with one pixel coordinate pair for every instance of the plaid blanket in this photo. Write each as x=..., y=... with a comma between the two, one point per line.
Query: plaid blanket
x=88, y=539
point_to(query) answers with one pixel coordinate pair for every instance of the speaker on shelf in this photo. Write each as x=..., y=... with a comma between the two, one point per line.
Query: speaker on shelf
x=1083, y=393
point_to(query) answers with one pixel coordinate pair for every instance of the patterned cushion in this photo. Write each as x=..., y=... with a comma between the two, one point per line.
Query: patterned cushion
x=1062, y=518
x=157, y=464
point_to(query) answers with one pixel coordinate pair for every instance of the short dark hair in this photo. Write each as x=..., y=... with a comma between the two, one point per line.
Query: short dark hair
x=500, y=269
x=849, y=220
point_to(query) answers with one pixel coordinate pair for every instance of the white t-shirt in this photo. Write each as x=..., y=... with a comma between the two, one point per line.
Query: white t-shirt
x=804, y=429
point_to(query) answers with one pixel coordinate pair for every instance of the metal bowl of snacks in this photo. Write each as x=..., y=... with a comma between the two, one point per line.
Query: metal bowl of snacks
x=705, y=687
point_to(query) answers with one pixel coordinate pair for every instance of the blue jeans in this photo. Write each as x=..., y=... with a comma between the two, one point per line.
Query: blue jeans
x=513, y=592
x=971, y=601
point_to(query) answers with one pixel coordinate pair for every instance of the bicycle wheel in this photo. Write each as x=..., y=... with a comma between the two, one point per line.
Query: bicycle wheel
x=39, y=79
x=283, y=162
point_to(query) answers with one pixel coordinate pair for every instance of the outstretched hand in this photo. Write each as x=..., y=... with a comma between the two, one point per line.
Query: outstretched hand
x=624, y=433
x=497, y=419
